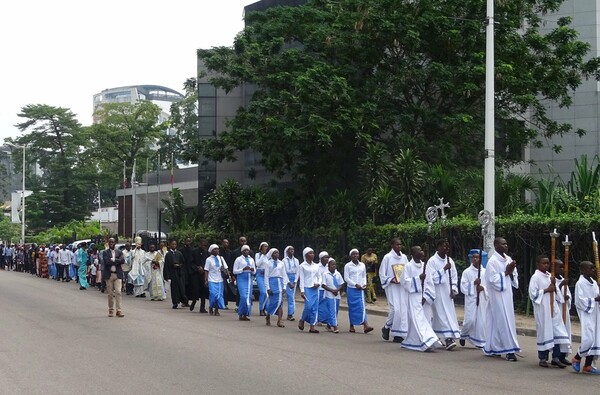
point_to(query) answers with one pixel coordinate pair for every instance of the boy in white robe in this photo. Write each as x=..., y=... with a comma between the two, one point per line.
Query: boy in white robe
x=397, y=319
x=551, y=331
x=587, y=297
x=420, y=336
x=471, y=285
x=442, y=270
x=562, y=285
x=500, y=327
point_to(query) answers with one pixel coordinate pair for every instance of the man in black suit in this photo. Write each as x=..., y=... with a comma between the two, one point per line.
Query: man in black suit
x=175, y=274
x=199, y=258
x=113, y=274
x=188, y=260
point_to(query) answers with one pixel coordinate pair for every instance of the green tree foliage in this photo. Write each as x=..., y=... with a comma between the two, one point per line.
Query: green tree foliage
x=334, y=78
x=8, y=230
x=175, y=215
x=55, y=143
x=68, y=233
x=123, y=133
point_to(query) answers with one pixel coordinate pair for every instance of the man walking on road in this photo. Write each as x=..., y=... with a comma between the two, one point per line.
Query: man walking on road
x=113, y=274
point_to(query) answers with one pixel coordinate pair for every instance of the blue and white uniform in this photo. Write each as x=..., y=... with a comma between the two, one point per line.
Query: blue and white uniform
x=244, y=282
x=308, y=278
x=334, y=281
x=260, y=260
x=275, y=280
x=291, y=267
x=356, y=274
x=213, y=265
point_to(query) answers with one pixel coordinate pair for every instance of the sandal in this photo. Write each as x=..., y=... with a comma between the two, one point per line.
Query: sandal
x=336, y=331
x=280, y=325
x=301, y=325
x=313, y=331
x=352, y=330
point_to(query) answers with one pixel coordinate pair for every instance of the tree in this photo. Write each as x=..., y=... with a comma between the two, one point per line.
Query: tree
x=334, y=78
x=124, y=133
x=55, y=142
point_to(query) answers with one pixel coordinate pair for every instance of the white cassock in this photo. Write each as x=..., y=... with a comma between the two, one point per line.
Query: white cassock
x=589, y=316
x=500, y=327
x=550, y=328
x=397, y=319
x=420, y=335
x=137, y=273
x=444, y=321
x=565, y=348
x=473, y=328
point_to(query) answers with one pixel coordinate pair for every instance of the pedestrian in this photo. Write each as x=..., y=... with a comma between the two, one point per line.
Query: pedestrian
x=355, y=276
x=550, y=328
x=500, y=278
x=191, y=272
x=43, y=261
x=82, y=259
x=137, y=273
x=390, y=275
x=476, y=301
x=200, y=291
x=420, y=291
x=175, y=274
x=213, y=279
x=244, y=269
x=157, y=282
x=442, y=270
x=291, y=267
x=371, y=263
x=64, y=263
x=587, y=298
x=563, y=284
x=127, y=284
x=113, y=274
x=227, y=254
x=276, y=280
x=260, y=259
x=333, y=283
x=309, y=283
x=323, y=259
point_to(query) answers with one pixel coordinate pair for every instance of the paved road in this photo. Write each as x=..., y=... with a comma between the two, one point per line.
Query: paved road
x=58, y=340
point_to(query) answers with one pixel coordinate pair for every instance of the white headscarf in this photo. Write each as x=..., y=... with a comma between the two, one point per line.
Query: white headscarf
x=285, y=251
x=306, y=251
x=270, y=253
x=245, y=247
x=212, y=247
x=322, y=254
x=331, y=260
x=352, y=250
x=264, y=243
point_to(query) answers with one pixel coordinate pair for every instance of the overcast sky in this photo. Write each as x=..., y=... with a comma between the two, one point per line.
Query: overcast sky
x=62, y=52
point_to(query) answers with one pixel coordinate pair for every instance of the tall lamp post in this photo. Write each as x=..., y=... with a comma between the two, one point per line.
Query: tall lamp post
x=489, y=202
x=23, y=147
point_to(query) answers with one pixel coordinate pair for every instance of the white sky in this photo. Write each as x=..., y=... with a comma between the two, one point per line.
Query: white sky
x=62, y=52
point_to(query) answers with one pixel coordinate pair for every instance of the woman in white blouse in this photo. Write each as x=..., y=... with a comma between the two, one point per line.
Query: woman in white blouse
x=276, y=280
x=260, y=260
x=309, y=283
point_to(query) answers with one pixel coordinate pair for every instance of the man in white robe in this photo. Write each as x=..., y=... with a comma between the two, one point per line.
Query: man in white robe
x=550, y=328
x=137, y=274
x=442, y=270
x=500, y=328
x=418, y=286
x=587, y=299
x=393, y=263
x=471, y=285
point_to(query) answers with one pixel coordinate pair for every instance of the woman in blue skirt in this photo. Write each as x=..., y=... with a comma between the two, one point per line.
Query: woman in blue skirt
x=244, y=268
x=276, y=280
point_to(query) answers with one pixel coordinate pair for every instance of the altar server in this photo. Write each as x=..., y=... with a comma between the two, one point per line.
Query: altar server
x=587, y=297
x=244, y=269
x=561, y=284
x=420, y=336
x=309, y=283
x=397, y=320
x=500, y=329
x=291, y=267
x=355, y=276
x=550, y=328
x=471, y=285
x=442, y=270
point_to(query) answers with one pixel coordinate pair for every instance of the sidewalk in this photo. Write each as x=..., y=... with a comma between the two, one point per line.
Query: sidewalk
x=525, y=324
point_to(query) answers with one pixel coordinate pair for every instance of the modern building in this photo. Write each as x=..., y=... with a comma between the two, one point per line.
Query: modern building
x=585, y=111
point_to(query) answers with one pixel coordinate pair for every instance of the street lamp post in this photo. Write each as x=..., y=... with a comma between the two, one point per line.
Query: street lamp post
x=489, y=164
x=22, y=192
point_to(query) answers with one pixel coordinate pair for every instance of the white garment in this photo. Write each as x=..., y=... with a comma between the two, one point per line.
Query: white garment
x=566, y=348
x=444, y=321
x=64, y=257
x=323, y=269
x=214, y=271
x=137, y=273
x=420, y=335
x=147, y=264
x=500, y=327
x=291, y=265
x=355, y=274
x=588, y=311
x=308, y=275
x=473, y=328
x=240, y=263
x=327, y=280
x=550, y=329
x=397, y=319
x=275, y=271
x=260, y=260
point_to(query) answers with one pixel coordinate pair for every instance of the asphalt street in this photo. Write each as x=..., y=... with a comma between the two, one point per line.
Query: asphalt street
x=58, y=340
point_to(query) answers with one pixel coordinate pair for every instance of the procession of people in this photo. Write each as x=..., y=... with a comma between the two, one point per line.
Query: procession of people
x=420, y=292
